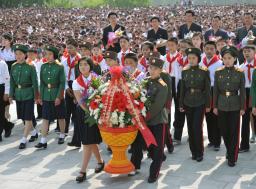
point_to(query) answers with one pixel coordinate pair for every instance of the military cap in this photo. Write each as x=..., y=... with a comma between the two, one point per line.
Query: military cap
x=154, y=61
x=194, y=51
x=20, y=47
x=155, y=54
x=229, y=49
x=131, y=55
x=54, y=50
x=33, y=50
x=7, y=36
x=110, y=54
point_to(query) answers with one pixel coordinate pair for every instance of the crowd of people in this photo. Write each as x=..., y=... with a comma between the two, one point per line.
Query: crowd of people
x=202, y=60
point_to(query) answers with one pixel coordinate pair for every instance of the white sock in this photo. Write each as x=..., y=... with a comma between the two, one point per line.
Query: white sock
x=23, y=140
x=43, y=140
x=34, y=132
x=62, y=135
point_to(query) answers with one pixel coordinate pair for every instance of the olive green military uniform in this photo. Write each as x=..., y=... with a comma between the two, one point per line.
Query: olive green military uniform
x=229, y=99
x=194, y=98
x=24, y=89
x=52, y=85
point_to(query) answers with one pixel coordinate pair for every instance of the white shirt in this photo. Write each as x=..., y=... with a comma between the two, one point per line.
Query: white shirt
x=7, y=55
x=77, y=87
x=212, y=68
x=245, y=69
x=103, y=66
x=166, y=66
x=178, y=70
x=4, y=76
x=37, y=63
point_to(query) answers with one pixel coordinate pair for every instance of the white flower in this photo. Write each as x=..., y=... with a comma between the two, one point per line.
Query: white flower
x=143, y=111
x=121, y=118
x=114, y=118
x=136, y=102
x=143, y=99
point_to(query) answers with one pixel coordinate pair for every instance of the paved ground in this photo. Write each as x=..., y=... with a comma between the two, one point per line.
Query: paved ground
x=57, y=167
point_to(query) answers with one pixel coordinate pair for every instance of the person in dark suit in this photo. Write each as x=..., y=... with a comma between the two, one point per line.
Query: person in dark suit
x=157, y=33
x=242, y=32
x=112, y=27
x=215, y=31
x=189, y=26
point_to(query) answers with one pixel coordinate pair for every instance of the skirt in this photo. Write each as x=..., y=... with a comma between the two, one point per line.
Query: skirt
x=51, y=112
x=88, y=134
x=25, y=109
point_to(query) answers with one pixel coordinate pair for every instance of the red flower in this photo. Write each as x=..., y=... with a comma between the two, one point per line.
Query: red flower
x=140, y=105
x=94, y=105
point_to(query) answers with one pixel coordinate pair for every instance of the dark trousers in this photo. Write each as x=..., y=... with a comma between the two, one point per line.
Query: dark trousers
x=157, y=153
x=195, y=116
x=179, y=117
x=39, y=110
x=229, y=123
x=137, y=151
x=213, y=129
x=168, y=137
x=3, y=121
x=245, y=132
x=70, y=108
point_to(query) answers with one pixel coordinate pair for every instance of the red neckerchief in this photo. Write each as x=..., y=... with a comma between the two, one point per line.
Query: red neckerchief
x=44, y=60
x=136, y=73
x=143, y=62
x=182, y=62
x=81, y=82
x=72, y=64
x=123, y=55
x=214, y=59
x=97, y=59
x=249, y=66
x=171, y=60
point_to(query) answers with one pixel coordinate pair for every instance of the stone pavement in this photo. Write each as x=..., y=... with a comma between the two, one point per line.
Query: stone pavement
x=57, y=167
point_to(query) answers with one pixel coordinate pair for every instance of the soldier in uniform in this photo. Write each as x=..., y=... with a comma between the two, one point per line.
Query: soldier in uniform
x=229, y=101
x=156, y=120
x=195, y=100
x=24, y=89
x=52, y=85
x=111, y=60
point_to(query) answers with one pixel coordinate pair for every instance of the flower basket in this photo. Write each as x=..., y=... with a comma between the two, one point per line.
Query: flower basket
x=118, y=139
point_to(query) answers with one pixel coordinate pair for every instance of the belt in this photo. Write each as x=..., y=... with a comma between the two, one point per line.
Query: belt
x=229, y=93
x=193, y=90
x=2, y=84
x=23, y=86
x=52, y=85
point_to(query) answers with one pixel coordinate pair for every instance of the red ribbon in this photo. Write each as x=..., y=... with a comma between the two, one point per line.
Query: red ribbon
x=143, y=62
x=249, y=66
x=214, y=59
x=136, y=74
x=81, y=82
x=182, y=62
x=72, y=64
x=171, y=60
x=97, y=59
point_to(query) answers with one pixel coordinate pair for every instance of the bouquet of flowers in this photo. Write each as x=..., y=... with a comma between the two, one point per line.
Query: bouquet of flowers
x=117, y=107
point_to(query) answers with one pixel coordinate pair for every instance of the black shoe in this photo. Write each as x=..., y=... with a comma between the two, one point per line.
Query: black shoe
x=61, y=140
x=109, y=150
x=164, y=158
x=100, y=167
x=33, y=138
x=133, y=173
x=199, y=159
x=226, y=155
x=41, y=145
x=152, y=179
x=243, y=150
x=71, y=144
x=8, y=131
x=38, y=118
x=1, y=138
x=210, y=145
x=193, y=157
x=22, y=146
x=130, y=150
x=216, y=148
x=170, y=149
x=81, y=178
x=231, y=164
x=57, y=130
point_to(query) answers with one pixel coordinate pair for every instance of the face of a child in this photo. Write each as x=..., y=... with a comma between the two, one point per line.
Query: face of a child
x=172, y=46
x=210, y=51
x=220, y=45
x=146, y=51
x=154, y=71
x=193, y=60
x=124, y=44
x=84, y=68
x=197, y=41
x=228, y=60
x=20, y=56
x=49, y=55
x=71, y=50
x=85, y=52
x=130, y=64
x=96, y=51
x=249, y=54
x=110, y=62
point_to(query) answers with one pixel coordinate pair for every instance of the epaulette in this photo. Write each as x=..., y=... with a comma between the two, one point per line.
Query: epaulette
x=221, y=68
x=239, y=69
x=58, y=62
x=161, y=81
x=14, y=64
x=203, y=68
x=186, y=68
